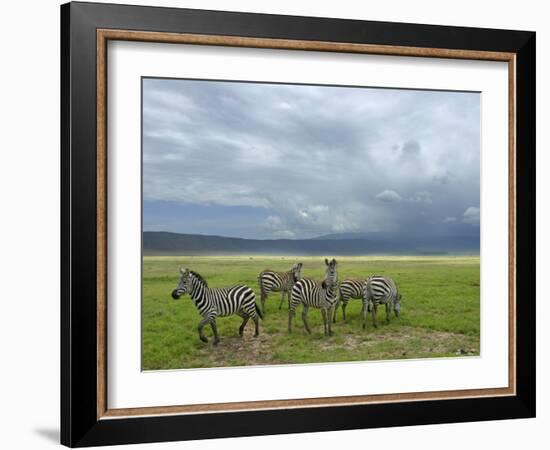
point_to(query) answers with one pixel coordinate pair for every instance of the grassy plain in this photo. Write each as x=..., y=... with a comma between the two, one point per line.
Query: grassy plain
x=439, y=313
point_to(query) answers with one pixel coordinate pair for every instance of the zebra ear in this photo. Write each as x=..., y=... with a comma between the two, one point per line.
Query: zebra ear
x=326, y=261
x=333, y=261
x=183, y=271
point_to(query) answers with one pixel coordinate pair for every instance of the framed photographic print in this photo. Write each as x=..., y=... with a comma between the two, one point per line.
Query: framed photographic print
x=277, y=224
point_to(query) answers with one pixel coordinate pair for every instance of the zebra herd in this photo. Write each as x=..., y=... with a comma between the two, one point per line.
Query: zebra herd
x=326, y=295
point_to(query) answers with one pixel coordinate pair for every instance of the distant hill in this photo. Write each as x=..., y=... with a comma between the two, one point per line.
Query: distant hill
x=165, y=243
x=343, y=236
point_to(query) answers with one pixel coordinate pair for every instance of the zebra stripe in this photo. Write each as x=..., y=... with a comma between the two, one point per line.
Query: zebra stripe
x=317, y=294
x=380, y=290
x=348, y=289
x=218, y=302
x=271, y=281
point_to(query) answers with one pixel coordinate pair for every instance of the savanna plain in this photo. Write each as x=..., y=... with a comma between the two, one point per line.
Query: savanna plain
x=440, y=313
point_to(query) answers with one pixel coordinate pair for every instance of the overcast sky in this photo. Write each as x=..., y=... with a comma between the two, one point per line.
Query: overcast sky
x=291, y=161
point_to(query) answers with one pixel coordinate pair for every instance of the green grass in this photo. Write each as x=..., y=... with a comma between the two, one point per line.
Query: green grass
x=439, y=313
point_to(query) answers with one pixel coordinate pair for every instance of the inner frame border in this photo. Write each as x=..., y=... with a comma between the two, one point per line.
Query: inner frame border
x=104, y=35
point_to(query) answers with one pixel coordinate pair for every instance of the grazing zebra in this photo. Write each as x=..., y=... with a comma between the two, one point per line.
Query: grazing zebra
x=271, y=281
x=380, y=290
x=349, y=288
x=214, y=302
x=318, y=294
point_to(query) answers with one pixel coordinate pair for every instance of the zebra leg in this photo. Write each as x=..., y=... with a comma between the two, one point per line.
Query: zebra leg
x=282, y=299
x=291, y=314
x=245, y=318
x=215, y=331
x=336, y=309
x=388, y=312
x=263, y=296
x=329, y=321
x=344, y=306
x=364, y=311
x=374, y=310
x=256, y=320
x=324, y=314
x=304, y=318
x=202, y=323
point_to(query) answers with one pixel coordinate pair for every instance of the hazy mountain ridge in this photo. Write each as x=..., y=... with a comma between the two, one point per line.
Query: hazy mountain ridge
x=166, y=243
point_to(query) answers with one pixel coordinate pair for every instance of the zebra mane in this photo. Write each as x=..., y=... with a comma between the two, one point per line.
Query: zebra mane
x=198, y=277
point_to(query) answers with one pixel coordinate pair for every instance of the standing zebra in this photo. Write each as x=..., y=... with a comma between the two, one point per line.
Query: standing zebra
x=271, y=281
x=319, y=294
x=214, y=302
x=349, y=288
x=380, y=290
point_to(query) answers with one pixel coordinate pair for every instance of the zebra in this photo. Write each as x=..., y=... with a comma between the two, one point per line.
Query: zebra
x=380, y=290
x=271, y=281
x=318, y=294
x=214, y=302
x=348, y=289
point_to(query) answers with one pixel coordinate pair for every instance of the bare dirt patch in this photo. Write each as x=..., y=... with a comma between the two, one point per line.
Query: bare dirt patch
x=247, y=350
x=408, y=342
x=384, y=343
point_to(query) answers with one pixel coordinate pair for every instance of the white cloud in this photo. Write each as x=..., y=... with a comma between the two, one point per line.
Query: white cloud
x=285, y=105
x=421, y=197
x=388, y=196
x=284, y=234
x=471, y=215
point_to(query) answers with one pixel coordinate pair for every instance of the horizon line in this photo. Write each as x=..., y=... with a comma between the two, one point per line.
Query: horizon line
x=315, y=237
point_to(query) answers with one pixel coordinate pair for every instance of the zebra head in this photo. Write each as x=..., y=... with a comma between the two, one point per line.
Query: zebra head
x=183, y=285
x=297, y=271
x=331, y=275
x=397, y=305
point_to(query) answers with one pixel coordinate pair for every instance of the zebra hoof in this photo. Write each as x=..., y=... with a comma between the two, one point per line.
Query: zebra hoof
x=256, y=334
x=216, y=342
x=203, y=338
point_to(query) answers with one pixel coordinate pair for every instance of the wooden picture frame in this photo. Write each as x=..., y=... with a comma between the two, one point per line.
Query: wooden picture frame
x=86, y=418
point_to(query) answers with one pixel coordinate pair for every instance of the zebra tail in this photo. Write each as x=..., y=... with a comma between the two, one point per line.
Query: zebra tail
x=259, y=311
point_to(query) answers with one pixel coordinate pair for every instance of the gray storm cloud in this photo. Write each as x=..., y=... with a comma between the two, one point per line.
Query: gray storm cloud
x=319, y=159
